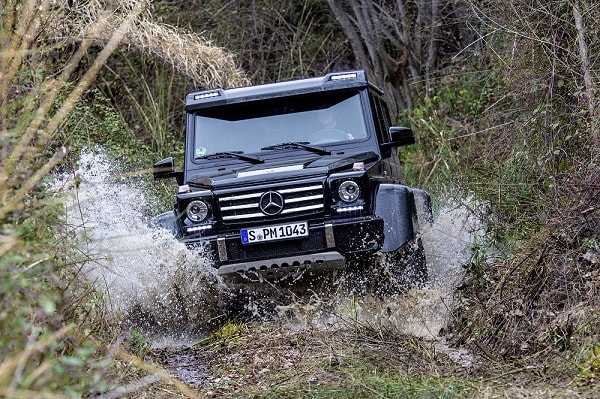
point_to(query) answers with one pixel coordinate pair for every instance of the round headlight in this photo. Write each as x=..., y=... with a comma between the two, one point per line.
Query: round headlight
x=197, y=211
x=349, y=191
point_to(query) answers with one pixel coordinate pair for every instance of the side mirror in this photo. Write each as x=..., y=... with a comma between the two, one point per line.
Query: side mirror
x=166, y=168
x=401, y=136
x=163, y=169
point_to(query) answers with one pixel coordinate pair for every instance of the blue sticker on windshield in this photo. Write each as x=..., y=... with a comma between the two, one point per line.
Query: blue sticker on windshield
x=200, y=152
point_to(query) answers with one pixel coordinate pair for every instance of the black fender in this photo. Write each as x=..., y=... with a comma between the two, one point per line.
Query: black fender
x=166, y=220
x=395, y=204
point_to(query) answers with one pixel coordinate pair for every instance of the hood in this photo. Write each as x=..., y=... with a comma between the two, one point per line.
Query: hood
x=313, y=166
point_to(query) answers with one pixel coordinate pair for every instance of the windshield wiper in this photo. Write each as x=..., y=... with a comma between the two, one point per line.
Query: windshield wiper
x=296, y=144
x=235, y=154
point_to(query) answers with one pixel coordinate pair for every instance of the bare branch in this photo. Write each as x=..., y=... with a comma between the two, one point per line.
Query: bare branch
x=586, y=69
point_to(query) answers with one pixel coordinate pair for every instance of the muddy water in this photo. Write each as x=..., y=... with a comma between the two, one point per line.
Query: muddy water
x=150, y=281
x=422, y=312
x=155, y=284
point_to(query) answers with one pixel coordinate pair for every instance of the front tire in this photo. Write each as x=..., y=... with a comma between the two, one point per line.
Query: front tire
x=395, y=272
x=402, y=269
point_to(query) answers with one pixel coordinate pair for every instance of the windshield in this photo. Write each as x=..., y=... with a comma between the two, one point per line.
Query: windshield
x=318, y=118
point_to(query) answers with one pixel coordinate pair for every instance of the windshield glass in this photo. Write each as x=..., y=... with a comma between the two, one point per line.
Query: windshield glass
x=318, y=118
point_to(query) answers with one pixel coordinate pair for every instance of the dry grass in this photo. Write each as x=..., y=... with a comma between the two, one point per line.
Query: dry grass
x=189, y=53
x=40, y=293
x=25, y=139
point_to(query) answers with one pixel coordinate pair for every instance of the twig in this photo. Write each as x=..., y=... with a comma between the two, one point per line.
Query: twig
x=585, y=66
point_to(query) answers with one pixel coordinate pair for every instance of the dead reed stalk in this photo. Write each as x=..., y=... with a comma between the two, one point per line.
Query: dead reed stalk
x=189, y=53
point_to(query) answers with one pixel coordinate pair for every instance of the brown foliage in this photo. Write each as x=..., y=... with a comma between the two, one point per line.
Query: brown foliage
x=544, y=298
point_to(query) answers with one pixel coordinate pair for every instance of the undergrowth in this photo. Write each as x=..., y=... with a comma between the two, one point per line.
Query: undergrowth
x=56, y=335
x=517, y=129
x=385, y=385
x=520, y=134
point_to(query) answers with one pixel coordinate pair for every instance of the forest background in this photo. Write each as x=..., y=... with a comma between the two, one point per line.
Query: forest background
x=503, y=97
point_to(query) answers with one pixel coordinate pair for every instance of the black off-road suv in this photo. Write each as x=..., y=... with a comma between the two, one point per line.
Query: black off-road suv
x=292, y=177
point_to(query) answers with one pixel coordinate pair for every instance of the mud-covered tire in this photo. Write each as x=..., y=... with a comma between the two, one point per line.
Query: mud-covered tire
x=391, y=273
x=402, y=269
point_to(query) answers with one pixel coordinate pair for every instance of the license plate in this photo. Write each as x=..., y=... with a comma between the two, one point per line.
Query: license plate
x=274, y=233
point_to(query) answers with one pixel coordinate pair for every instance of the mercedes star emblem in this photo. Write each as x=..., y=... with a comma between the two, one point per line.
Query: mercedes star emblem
x=271, y=203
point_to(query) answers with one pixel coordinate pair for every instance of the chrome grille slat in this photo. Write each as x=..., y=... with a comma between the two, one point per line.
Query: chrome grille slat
x=240, y=197
x=236, y=207
x=284, y=212
x=245, y=216
x=303, y=199
x=299, y=199
x=302, y=209
x=296, y=190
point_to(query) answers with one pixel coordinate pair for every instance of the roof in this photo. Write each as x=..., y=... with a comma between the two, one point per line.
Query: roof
x=331, y=81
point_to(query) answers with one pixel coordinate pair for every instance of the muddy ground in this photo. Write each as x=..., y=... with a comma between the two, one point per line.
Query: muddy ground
x=268, y=362
x=305, y=352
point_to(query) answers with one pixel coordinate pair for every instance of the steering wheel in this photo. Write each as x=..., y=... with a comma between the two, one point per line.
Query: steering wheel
x=327, y=136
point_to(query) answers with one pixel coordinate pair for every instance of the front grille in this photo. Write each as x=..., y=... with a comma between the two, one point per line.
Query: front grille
x=299, y=200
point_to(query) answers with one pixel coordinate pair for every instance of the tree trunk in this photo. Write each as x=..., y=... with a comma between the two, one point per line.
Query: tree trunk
x=397, y=43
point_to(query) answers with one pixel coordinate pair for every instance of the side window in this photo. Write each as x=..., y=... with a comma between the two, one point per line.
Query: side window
x=381, y=118
x=385, y=116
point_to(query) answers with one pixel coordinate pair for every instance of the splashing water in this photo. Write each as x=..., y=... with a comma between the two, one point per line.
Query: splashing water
x=448, y=242
x=424, y=312
x=421, y=312
x=157, y=283
x=151, y=279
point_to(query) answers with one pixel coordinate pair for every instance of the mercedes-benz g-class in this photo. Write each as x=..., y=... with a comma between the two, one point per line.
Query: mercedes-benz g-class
x=284, y=178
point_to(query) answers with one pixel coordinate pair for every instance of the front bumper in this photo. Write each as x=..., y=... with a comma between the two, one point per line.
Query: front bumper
x=327, y=246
